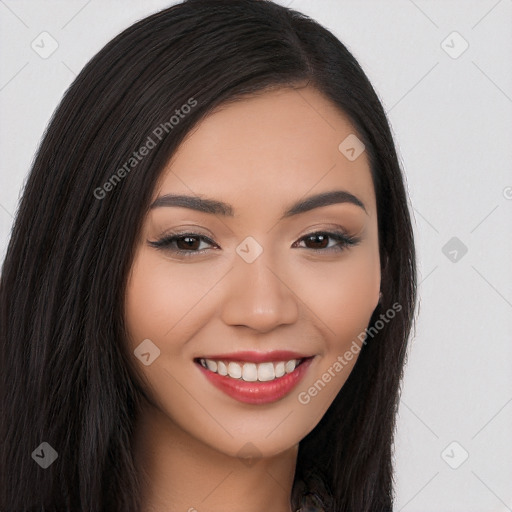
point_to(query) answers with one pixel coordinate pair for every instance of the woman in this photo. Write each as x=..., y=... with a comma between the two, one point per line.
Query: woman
x=210, y=283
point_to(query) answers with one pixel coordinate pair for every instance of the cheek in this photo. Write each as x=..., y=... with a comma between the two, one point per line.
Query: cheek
x=343, y=302
x=162, y=305
x=147, y=306
x=159, y=296
x=345, y=296
x=354, y=295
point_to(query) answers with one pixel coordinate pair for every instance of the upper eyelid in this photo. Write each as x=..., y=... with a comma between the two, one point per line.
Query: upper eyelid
x=173, y=236
x=333, y=229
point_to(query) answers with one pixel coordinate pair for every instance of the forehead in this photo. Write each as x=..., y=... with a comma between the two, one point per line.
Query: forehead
x=267, y=151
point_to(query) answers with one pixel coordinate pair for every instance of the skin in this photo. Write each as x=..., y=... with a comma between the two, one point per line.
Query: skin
x=260, y=155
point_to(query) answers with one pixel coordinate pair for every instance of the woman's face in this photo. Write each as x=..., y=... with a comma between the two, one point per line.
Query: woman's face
x=254, y=287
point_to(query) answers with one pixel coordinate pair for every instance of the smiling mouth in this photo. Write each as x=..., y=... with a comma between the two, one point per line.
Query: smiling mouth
x=251, y=372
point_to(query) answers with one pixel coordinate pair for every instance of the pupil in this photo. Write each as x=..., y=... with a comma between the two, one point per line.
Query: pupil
x=323, y=239
x=189, y=242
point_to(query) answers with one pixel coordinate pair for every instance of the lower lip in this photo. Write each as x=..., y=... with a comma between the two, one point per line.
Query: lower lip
x=257, y=393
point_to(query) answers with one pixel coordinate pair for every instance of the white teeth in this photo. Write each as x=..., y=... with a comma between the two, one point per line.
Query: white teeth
x=234, y=370
x=211, y=365
x=251, y=372
x=290, y=366
x=280, y=370
x=266, y=372
x=221, y=368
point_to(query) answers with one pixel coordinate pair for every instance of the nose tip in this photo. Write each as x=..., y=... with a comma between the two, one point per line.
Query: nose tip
x=257, y=296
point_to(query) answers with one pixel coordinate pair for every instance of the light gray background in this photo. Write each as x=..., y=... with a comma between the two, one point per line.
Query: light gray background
x=451, y=118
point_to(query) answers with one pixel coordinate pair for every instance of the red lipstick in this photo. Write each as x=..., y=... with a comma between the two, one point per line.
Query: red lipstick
x=257, y=392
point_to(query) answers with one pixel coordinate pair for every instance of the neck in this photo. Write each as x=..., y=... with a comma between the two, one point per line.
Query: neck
x=181, y=473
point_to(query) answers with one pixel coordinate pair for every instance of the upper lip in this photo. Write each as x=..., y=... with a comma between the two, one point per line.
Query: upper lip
x=257, y=357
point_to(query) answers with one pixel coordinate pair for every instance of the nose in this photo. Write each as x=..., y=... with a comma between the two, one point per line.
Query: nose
x=259, y=296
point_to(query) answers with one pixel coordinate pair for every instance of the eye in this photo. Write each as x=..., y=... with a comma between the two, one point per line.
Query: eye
x=320, y=241
x=188, y=244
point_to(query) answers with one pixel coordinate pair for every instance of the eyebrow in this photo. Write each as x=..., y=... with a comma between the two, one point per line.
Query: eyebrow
x=206, y=205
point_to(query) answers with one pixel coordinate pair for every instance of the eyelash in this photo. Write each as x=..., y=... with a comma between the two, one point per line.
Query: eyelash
x=164, y=243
